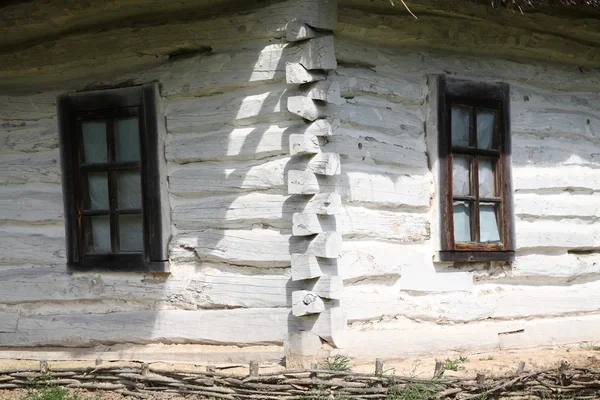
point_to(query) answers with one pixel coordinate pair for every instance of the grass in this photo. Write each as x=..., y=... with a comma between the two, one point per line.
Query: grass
x=455, y=364
x=50, y=392
x=412, y=392
x=488, y=358
x=591, y=346
x=336, y=363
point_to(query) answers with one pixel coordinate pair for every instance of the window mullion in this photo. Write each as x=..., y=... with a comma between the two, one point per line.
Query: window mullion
x=112, y=188
x=474, y=178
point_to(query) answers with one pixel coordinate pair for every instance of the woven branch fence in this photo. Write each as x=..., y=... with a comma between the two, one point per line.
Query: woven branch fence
x=143, y=381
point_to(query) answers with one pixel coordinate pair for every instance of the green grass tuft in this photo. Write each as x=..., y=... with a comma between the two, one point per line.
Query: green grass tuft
x=336, y=363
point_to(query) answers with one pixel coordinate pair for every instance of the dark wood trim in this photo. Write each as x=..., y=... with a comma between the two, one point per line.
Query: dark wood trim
x=109, y=105
x=477, y=95
x=475, y=256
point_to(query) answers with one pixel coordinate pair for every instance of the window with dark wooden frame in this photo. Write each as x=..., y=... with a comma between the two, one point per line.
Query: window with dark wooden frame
x=113, y=190
x=475, y=186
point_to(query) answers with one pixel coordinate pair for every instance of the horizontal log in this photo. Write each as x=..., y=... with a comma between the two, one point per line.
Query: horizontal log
x=297, y=73
x=34, y=203
x=8, y=322
x=540, y=75
x=365, y=184
x=28, y=136
x=305, y=302
x=32, y=244
x=306, y=108
x=27, y=108
x=528, y=205
x=244, y=106
x=395, y=86
x=327, y=287
x=246, y=210
x=568, y=122
x=324, y=164
x=41, y=167
x=330, y=325
x=243, y=143
x=527, y=97
x=552, y=267
x=301, y=143
x=323, y=127
x=568, y=234
x=308, y=267
x=327, y=245
x=317, y=53
x=324, y=90
x=297, y=31
x=546, y=179
x=554, y=149
x=243, y=326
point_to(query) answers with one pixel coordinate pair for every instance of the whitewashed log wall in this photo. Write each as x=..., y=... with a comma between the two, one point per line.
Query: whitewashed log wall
x=280, y=146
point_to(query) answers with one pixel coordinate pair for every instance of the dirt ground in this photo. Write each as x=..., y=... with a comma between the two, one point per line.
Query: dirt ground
x=496, y=363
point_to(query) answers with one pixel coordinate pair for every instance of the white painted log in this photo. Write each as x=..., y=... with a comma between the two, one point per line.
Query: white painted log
x=327, y=287
x=552, y=267
x=244, y=106
x=568, y=234
x=33, y=107
x=32, y=244
x=30, y=168
x=328, y=245
x=360, y=184
x=8, y=322
x=297, y=31
x=28, y=136
x=310, y=224
x=554, y=149
x=396, y=86
x=305, y=302
x=302, y=344
x=546, y=179
x=243, y=143
x=325, y=164
x=324, y=203
x=323, y=127
x=33, y=203
x=552, y=206
x=301, y=143
x=296, y=73
x=306, y=108
x=528, y=97
x=324, y=90
x=567, y=122
x=380, y=115
x=543, y=76
x=330, y=325
x=308, y=267
x=322, y=14
x=257, y=248
x=248, y=326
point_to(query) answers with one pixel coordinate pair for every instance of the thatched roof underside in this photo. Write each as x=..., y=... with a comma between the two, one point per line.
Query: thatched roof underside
x=533, y=4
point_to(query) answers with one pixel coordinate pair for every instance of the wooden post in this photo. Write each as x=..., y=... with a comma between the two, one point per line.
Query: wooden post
x=378, y=366
x=439, y=369
x=253, y=368
x=314, y=366
x=211, y=368
x=44, y=366
x=521, y=368
x=480, y=378
x=145, y=369
x=98, y=361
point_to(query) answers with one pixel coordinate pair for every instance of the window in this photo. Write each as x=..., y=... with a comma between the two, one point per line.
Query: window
x=115, y=198
x=475, y=183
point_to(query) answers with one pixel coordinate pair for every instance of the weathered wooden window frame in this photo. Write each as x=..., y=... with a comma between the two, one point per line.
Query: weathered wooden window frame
x=484, y=95
x=143, y=100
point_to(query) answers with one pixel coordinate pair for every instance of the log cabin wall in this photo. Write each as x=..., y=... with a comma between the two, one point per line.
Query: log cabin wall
x=237, y=216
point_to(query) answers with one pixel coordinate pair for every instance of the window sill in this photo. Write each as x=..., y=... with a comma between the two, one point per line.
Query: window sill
x=119, y=266
x=475, y=256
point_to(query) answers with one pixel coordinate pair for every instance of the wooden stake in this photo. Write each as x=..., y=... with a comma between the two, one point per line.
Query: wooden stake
x=44, y=366
x=439, y=369
x=480, y=378
x=98, y=361
x=145, y=369
x=378, y=366
x=314, y=366
x=521, y=368
x=253, y=368
x=211, y=368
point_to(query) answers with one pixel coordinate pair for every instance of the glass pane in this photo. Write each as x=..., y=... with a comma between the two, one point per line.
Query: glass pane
x=97, y=195
x=461, y=122
x=127, y=140
x=94, y=142
x=131, y=233
x=486, y=178
x=488, y=223
x=462, y=221
x=486, y=121
x=98, y=235
x=461, y=175
x=129, y=189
